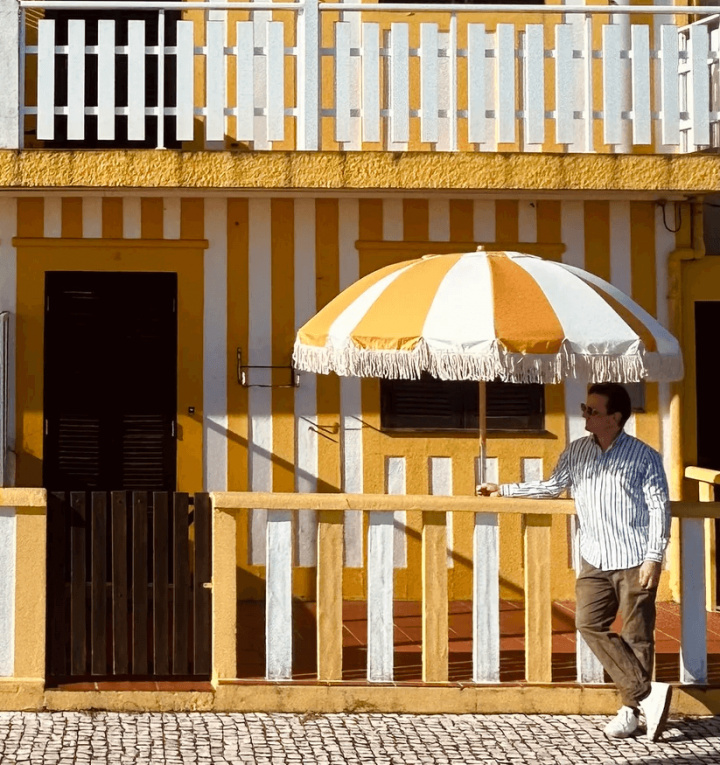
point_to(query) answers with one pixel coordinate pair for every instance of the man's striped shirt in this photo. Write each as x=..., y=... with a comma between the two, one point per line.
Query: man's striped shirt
x=621, y=499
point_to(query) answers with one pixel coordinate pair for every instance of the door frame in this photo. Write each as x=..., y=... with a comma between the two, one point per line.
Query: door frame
x=700, y=283
x=34, y=258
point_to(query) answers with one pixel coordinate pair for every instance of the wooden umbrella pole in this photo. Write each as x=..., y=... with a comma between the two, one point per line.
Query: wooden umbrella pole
x=482, y=426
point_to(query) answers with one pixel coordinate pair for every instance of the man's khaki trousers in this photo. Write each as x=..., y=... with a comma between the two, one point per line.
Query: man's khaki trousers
x=627, y=657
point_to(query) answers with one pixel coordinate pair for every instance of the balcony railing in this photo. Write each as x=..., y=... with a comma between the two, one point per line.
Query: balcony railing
x=308, y=75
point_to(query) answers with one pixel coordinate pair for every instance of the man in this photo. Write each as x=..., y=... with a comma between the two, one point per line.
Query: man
x=621, y=499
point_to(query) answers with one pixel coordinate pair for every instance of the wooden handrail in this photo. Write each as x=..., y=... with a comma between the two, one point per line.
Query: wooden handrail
x=274, y=501
x=705, y=475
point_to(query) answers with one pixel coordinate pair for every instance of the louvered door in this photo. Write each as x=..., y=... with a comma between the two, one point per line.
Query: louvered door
x=110, y=381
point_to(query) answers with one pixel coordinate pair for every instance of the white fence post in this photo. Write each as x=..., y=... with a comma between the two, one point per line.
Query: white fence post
x=10, y=75
x=308, y=76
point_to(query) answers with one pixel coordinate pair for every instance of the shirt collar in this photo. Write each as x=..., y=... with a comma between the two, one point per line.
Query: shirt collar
x=618, y=439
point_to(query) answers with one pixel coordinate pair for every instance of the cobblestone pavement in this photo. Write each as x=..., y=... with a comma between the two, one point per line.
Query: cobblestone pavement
x=68, y=738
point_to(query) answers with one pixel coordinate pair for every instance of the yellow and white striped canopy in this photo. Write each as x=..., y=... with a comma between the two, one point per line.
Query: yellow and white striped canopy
x=484, y=316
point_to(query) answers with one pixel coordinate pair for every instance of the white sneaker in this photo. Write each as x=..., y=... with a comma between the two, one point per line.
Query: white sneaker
x=656, y=708
x=624, y=724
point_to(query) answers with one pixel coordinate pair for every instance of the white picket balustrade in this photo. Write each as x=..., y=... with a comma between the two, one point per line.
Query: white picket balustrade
x=509, y=68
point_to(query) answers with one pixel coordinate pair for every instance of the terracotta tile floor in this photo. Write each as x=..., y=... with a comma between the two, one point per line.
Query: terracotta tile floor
x=251, y=641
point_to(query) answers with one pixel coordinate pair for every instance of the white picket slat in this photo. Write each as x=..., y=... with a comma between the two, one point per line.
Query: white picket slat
x=399, y=83
x=612, y=92
x=486, y=603
x=699, y=100
x=106, y=80
x=564, y=84
x=46, y=80
x=371, y=82
x=275, y=81
x=76, y=80
x=136, y=80
x=641, y=124
x=429, y=66
x=278, y=626
x=342, y=82
x=215, y=81
x=395, y=483
x=380, y=597
x=669, y=85
x=185, y=95
x=534, y=84
x=505, y=63
x=693, y=619
x=244, y=80
x=477, y=124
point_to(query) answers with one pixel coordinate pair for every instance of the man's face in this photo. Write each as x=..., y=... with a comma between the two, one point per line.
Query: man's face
x=597, y=420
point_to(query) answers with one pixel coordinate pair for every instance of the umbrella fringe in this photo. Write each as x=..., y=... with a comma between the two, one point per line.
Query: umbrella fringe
x=496, y=364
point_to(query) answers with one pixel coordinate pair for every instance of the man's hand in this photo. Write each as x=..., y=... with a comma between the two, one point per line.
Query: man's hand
x=649, y=575
x=487, y=490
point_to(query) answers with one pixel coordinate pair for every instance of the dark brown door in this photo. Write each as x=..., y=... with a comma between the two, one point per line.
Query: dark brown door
x=707, y=320
x=110, y=381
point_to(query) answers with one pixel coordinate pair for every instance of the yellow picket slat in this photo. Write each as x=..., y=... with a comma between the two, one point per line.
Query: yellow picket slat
x=435, y=598
x=538, y=610
x=329, y=595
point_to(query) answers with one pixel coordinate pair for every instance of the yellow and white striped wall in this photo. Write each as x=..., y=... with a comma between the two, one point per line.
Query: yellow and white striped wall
x=250, y=270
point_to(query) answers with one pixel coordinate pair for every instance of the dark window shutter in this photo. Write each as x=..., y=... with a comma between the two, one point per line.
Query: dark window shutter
x=429, y=404
x=110, y=381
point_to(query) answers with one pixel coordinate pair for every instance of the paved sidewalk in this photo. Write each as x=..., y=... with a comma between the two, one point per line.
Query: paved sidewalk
x=72, y=738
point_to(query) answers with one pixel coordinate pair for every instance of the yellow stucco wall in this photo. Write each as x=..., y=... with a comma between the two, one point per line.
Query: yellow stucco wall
x=369, y=218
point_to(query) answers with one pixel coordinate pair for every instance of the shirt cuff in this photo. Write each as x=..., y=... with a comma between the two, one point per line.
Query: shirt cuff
x=653, y=556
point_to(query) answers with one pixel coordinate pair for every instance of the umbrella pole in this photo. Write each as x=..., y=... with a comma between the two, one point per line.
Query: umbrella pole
x=482, y=427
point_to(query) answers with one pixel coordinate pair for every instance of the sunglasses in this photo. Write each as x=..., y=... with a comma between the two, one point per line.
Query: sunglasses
x=588, y=411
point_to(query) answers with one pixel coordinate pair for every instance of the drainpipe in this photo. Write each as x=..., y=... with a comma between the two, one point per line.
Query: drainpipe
x=690, y=247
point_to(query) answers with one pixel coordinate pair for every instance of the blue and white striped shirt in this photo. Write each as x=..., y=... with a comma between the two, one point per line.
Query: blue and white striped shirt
x=621, y=499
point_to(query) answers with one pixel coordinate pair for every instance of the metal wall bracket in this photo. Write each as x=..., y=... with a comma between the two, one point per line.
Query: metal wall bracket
x=243, y=374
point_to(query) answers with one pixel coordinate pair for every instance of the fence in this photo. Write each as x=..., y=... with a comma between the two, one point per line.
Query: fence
x=310, y=75
x=486, y=632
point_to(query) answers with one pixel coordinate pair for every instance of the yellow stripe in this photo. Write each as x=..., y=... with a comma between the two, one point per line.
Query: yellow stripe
x=72, y=223
x=112, y=218
x=327, y=268
x=461, y=220
x=370, y=220
x=549, y=221
x=283, y=321
x=395, y=320
x=192, y=219
x=644, y=292
x=416, y=220
x=151, y=218
x=30, y=217
x=315, y=331
x=524, y=319
x=642, y=255
x=597, y=239
x=506, y=220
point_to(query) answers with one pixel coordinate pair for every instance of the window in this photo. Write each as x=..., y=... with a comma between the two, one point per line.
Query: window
x=430, y=404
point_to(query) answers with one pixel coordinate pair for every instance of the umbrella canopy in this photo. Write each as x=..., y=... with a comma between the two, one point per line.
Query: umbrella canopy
x=486, y=316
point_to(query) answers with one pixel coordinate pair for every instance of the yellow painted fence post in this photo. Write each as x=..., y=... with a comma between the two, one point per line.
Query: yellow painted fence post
x=434, y=598
x=224, y=609
x=538, y=605
x=329, y=594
